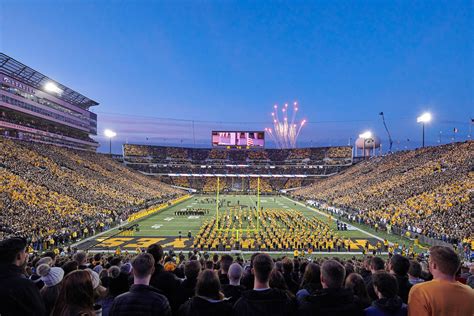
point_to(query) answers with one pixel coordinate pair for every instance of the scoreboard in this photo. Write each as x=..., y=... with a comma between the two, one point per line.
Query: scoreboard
x=238, y=139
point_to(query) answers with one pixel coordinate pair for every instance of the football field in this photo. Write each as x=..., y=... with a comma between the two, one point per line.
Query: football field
x=170, y=227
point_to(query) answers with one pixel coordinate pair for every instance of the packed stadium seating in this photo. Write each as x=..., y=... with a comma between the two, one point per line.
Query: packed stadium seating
x=49, y=191
x=427, y=191
x=192, y=163
x=265, y=186
x=308, y=156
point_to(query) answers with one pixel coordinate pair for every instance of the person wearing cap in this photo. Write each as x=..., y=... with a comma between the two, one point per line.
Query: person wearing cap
x=18, y=295
x=51, y=277
x=100, y=292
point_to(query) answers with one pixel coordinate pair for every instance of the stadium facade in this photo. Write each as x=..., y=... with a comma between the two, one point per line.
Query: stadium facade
x=36, y=108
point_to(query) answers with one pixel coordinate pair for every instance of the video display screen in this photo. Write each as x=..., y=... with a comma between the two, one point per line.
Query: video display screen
x=233, y=139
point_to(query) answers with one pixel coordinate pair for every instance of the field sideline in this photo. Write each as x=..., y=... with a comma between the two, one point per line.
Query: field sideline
x=164, y=226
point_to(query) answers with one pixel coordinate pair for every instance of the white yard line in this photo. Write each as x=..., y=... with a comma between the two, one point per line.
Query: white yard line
x=251, y=200
x=319, y=212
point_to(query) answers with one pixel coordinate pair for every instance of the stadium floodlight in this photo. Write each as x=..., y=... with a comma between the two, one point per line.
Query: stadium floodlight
x=366, y=135
x=110, y=134
x=424, y=118
x=52, y=87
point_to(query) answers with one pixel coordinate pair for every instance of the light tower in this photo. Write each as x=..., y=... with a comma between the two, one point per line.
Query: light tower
x=110, y=134
x=424, y=118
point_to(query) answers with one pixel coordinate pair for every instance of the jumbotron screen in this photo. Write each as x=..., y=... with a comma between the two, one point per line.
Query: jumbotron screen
x=233, y=139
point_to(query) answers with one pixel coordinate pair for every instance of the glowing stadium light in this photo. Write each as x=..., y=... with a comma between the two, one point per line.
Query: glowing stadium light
x=366, y=135
x=109, y=133
x=424, y=118
x=285, y=131
x=52, y=87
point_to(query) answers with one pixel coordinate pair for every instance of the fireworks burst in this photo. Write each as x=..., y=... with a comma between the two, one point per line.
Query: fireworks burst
x=285, y=133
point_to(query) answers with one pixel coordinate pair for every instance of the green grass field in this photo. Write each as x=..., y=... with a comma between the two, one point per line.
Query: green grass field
x=164, y=226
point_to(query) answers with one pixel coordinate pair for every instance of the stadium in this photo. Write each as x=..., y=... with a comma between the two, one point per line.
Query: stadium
x=250, y=223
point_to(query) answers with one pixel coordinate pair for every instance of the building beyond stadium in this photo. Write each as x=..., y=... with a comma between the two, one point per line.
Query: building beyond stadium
x=36, y=108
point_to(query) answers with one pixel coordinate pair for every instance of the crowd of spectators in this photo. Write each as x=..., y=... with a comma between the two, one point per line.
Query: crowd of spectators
x=257, y=155
x=152, y=282
x=280, y=170
x=53, y=195
x=293, y=183
x=265, y=186
x=299, y=153
x=181, y=181
x=318, y=155
x=177, y=153
x=220, y=154
x=339, y=152
x=428, y=191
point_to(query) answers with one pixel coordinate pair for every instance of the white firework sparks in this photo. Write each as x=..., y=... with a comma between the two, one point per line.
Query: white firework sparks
x=285, y=133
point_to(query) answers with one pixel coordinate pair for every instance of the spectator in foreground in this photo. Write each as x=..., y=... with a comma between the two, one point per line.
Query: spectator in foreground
x=52, y=277
x=375, y=264
x=188, y=286
x=288, y=267
x=233, y=290
x=18, y=295
x=399, y=266
x=76, y=296
x=142, y=299
x=356, y=283
x=208, y=300
x=470, y=279
x=225, y=262
x=163, y=280
x=311, y=281
x=333, y=299
x=263, y=300
x=414, y=273
x=443, y=296
x=81, y=258
x=277, y=281
x=388, y=302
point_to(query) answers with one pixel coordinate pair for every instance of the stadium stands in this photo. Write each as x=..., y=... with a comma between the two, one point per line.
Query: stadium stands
x=426, y=191
x=305, y=156
x=49, y=192
x=273, y=164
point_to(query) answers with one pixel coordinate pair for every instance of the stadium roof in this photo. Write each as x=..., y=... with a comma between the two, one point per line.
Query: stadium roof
x=18, y=71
